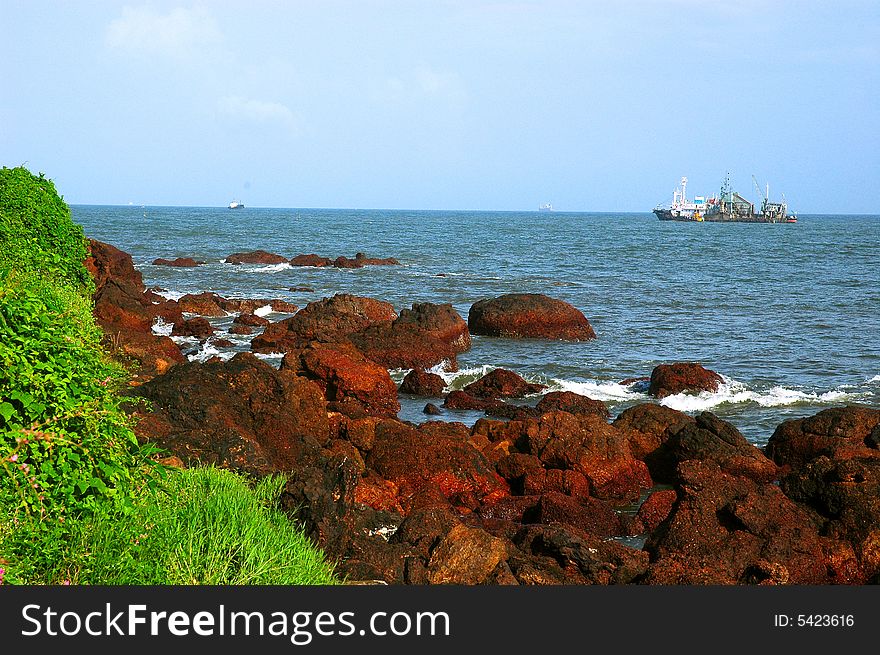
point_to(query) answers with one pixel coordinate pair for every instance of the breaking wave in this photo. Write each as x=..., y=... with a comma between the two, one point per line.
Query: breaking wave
x=263, y=311
x=162, y=328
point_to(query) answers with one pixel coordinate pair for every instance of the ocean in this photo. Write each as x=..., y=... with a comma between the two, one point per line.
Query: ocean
x=786, y=313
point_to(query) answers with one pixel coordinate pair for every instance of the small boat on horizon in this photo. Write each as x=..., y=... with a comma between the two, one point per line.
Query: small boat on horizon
x=546, y=207
x=236, y=204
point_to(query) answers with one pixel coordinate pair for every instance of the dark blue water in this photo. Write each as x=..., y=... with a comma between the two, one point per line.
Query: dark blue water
x=787, y=313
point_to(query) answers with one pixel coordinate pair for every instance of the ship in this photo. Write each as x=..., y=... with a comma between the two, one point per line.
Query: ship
x=727, y=206
x=546, y=207
x=236, y=204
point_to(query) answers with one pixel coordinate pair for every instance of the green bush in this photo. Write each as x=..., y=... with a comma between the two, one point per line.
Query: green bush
x=37, y=232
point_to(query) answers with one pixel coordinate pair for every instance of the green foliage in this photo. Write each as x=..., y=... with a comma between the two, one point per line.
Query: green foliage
x=201, y=526
x=37, y=232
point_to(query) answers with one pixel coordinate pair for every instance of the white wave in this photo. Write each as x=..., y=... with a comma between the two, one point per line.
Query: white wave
x=208, y=351
x=732, y=392
x=876, y=378
x=161, y=328
x=270, y=268
x=171, y=295
x=263, y=311
x=458, y=379
x=597, y=390
x=272, y=356
x=184, y=340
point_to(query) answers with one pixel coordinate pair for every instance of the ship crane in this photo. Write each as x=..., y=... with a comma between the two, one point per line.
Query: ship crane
x=763, y=194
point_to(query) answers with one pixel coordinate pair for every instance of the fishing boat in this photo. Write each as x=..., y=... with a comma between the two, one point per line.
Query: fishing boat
x=727, y=206
x=236, y=204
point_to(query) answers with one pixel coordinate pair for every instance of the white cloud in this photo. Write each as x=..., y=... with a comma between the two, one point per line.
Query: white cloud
x=260, y=111
x=180, y=33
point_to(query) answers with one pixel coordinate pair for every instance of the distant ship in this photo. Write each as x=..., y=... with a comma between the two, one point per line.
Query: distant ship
x=728, y=206
x=236, y=204
x=546, y=207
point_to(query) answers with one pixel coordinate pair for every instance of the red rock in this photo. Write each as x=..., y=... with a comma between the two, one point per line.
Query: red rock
x=670, y=379
x=656, y=508
x=501, y=383
x=346, y=375
x=542, y=481
x=528, y=315
x=360, y=260
x=439, y=321
x=330, y=319
x=203, y=304
x=255, y=257
x=222, y=343
x=422, y=383
x=837, y=433
x=509, y=508
x=462, y=400
x=251, y=320
x=310, y=260
x=588, y=514
x=106, y=262
x=465, y=556
x=404, y=345
x=154, y=355
x=241, y=414
x=431, y=409
x=180, y=262
x=573, y=403
x=193, y=327
x=648, y=426
x=241, y=329
x=379, y=494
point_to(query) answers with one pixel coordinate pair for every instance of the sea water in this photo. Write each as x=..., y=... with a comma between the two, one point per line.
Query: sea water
x=786, y=313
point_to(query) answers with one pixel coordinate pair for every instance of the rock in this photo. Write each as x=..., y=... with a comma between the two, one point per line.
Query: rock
x=404, y=345
x=345, y=376
x=709, y=439
x=241, y=329
x=543, y=481
x=153, y=355
x=222, y=343
x=415, y=459
x=836, y=433
x=438, y=321
x=193, y=327
x=329, y=320
x=250, y=305
x=501, y=383
x=573, y=403
x=465, y=556
x=242, y=414
x=647, y=427
x=302, y=289
x=656, y=508
x=310, y=260
x=588, y=514
x=529, y=315
x=847, y=493
x=724, y=529
x=203, y=304
x=462, y=400
x=586, y=444
x=423, y=529
x=251, y=320
x=670, y=379
x=106, y=262
x=431, y=409
x=422, y=383
x=360, y=260
x=255, y=257
x=180, y=262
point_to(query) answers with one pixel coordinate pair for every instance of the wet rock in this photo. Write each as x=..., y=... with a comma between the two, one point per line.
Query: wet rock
x=251, y=320
x=346, y=376
x=194, y=327
x=302, y=289
x=432, y=409
x=501, y=383
x=241, y=329
x=837, y=433
x=251, y=305
x=203, y=304
x=222, y=343
x=441, y=322
x=588, y=514
x=573, y=403
x=529, y=315
x=421, y=383
x=310, y=260
x=462, y=400
x=255, y=257
x=670, y=379
x=360, y=260
x=656, y=509
x=106, y=263
x=465, y=556
x=180, y=262
x=542, y=481
x=329, y=320
x=647, y=427
x=241, y=414
x=404, y=345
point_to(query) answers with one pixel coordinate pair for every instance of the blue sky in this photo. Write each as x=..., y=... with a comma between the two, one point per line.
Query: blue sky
x=595, y=106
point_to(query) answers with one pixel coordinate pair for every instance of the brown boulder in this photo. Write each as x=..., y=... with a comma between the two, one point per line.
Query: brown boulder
x=670, y=379
x=106, y=262
x=656, y=509
x=421, y=383
x=573, y=403
x=241, y=414
x=310, y=260
x=529, y=315
x=588, y=514
x=346, y=376
x=439, y=321
x=329, y=320
x=180, y=262
x=251, y=320
x=462, y=400
x=360, y=260
x=465, y=556
x=241, y=329
x=401, y=345
x=501, y=383
x=194, y=327
x=255, y=257
x=647, y=427
x=203, y=304
x=836, y=433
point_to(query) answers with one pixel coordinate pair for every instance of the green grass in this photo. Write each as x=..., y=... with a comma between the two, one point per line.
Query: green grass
x=200, y=526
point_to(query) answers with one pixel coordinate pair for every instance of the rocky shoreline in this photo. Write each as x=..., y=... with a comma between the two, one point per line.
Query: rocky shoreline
x=553, y=494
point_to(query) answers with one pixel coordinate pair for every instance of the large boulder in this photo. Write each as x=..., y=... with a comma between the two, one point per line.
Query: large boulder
x=360, y=260
x=439, y=321
x=837, y=433
x=585, y=513
x=501, y=383
x=422, y=383
x=466, y=556
x=255, y=257
x=310, y=260
x=106, y=262
x=242, y=414
x=179, y=262
x=346, y=377
x=404, y=345
x=648, y=426
x=573, y=403
x=203, y=304
x=533, y=315
x=194, y=327
x=670, y=379
x=329, y=320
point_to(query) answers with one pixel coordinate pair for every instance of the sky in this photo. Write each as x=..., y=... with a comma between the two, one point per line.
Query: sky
x=593, y=106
